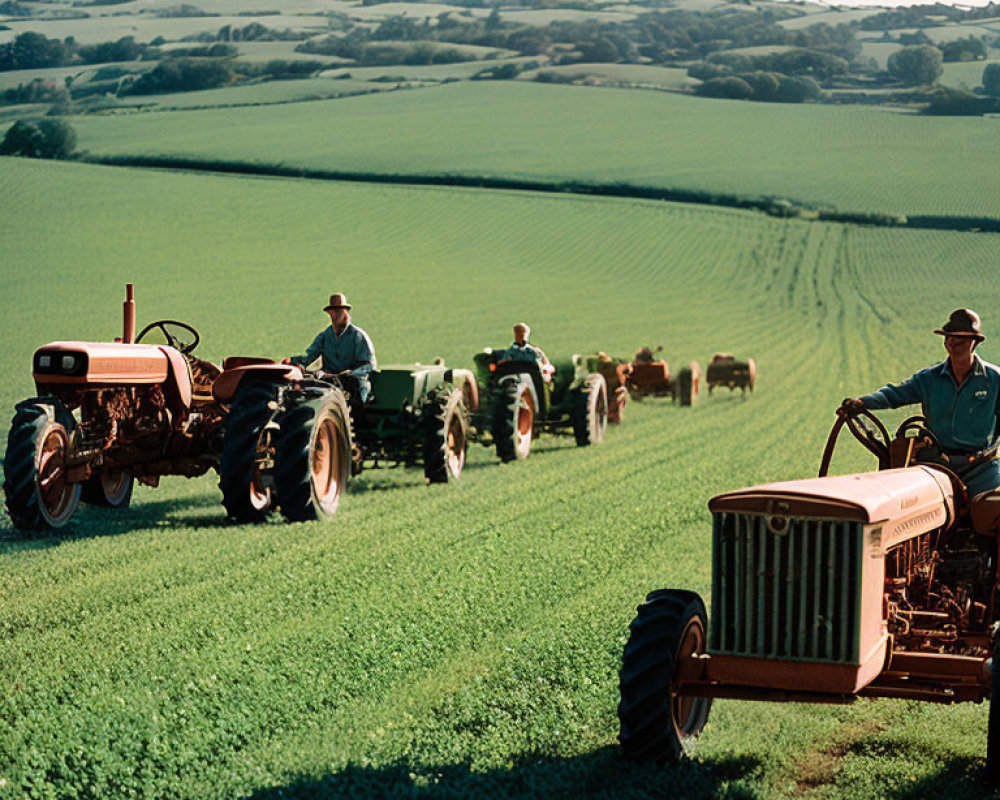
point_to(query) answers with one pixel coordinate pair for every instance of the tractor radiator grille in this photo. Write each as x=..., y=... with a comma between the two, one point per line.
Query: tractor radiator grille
x=793, y=595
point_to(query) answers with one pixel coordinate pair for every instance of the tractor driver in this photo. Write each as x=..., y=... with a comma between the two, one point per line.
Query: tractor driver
x=522, y=350
x=960, y=399
x=347, y=350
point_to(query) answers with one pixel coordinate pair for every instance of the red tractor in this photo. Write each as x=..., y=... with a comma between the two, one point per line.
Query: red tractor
x=879, y=584
x=652, y=378
x=726, y=370
x=110, y=413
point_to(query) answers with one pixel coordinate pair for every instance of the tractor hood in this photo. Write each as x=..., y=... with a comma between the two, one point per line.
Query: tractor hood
x=920, y=494
x=99, y=362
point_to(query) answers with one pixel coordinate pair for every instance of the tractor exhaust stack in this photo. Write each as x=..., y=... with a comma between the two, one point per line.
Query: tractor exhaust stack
x=128, y=307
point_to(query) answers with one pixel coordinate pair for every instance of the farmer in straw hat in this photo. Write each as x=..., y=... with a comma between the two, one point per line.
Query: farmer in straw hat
x=346, y=349
x=960, y=399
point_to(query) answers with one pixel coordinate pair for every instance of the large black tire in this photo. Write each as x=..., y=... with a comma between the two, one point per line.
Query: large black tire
x=589, y=414
x=656, y=724
x=247, y=432
x=312, y=456
x=993, y=731
x=108, y=488
x=513, y=420
x=446, y=436
x=36, y=494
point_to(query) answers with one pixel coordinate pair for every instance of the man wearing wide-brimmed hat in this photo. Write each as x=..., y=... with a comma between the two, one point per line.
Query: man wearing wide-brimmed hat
x=960, y=399
x=345, y=348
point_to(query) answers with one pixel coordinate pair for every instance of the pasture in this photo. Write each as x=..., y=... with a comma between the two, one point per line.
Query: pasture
x=452, y=640
x=825, y=156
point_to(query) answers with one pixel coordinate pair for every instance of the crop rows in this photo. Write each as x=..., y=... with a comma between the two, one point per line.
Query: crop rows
x=460, y=639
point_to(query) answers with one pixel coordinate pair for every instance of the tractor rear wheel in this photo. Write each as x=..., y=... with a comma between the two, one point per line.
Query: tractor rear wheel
x=110, y=488
x=312, y=456
x=993, y=729
x=245, y=444
x=656, y=723
x=446, y=438
x=589, y=414
x=514, y=421
x=37, y=494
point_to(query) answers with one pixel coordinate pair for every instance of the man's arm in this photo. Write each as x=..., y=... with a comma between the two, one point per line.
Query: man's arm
x=364, y=355
x=894, y=395
x=312, y=352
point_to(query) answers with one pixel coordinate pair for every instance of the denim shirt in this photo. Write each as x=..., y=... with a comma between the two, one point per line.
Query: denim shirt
x=963, y=418
x=523, y=352
x=352, y=350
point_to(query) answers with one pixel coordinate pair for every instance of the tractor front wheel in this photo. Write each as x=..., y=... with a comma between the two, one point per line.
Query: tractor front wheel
x=657, y=724
x=589, y=414
x=245, y=446
x=37, y=492
x=514, y=421
x=312, y=456
x=446, y=438
x=110, y=488
x=993, y=729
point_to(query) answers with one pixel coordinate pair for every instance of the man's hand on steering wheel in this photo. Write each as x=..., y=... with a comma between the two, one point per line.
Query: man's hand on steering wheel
x=850, y=407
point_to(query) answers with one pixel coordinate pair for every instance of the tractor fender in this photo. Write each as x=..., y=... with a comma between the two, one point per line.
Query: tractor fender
x=225, y=386
x=466, y=380
x=521, y=377
x=178, y=382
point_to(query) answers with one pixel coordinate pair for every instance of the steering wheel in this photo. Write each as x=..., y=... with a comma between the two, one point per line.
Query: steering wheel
x=175, y=339
x=871, y=433
x=918, y=425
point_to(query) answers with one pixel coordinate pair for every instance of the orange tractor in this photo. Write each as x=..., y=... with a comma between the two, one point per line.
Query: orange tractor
x=726, y=370
x=652, y=378
x=110, y=413
x=879, y=584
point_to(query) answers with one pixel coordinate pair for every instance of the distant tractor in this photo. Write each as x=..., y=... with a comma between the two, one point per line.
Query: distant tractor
x=726, y=370
x=519, y=400
x=652, y=378
x=879, y=584
x=109, y=413
x=417, y=414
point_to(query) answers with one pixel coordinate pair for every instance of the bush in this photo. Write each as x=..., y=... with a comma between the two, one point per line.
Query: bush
x=969, y=49
x=729, y=87
x=798, y=89
x=183, y=75
x=991, y=79
x=764, y=84
x=37, y=91
x=46, y=138
x=957, y=102
x=705, y=70
x=916, y=66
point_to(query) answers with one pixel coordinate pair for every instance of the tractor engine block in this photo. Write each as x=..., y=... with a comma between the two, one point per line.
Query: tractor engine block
x=938, y=592
x=122, y=416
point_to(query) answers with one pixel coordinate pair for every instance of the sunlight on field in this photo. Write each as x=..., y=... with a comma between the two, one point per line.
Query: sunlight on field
x=465, y=636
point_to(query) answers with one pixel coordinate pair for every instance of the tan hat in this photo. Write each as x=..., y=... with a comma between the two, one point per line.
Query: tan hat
x=963, y=322
x=338, y=300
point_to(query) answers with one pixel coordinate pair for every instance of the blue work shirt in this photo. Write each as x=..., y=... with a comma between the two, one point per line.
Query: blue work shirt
x=524, y=352
x=352, y=350
x=963, y=418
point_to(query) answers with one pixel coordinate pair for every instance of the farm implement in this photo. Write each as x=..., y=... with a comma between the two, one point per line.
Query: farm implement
x=879, y=584
x=728, y=371
x=417, y=414
x=652, y=378
x=520, y=400
x=143, y=406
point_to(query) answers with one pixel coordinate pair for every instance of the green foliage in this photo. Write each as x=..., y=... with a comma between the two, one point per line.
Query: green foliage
x=37, y=91
x=458, y=641
x=991, y=79
x=971, y=48
x=32, y=50
x=946, y=101
x=812, y=63
x=729, y=87
x=916, y=66
x=183, y=75
x=45, y=138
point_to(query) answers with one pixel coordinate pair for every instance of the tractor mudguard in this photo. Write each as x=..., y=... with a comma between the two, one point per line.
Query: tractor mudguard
x=225, y=386
x=178, y=384
x=465, y=379
x=526, y=378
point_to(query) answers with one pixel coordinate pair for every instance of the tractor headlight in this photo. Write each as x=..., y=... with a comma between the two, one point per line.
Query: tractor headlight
x=68, y=362
x=45, y=362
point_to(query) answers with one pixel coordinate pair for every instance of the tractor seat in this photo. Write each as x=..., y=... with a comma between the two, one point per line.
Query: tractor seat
x=984, y=509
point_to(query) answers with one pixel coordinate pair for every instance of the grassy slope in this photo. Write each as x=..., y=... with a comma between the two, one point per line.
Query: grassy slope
x=464, y=639
x=819, y=154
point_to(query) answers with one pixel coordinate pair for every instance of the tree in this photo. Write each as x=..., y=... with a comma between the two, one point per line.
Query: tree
x=971, y=48
x=729, y=87
x=47, y=138
x=991, y=79
x=917, y=66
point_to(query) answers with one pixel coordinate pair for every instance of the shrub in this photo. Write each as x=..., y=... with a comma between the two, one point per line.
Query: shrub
x=946, y=101
x=729, y=87
x=797, y=89
x=706, y=70
x=991, y=79
x=46, y=138
x=183, y=75
x=916, y=66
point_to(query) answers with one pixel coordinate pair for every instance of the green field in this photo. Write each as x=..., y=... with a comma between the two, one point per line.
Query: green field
x=459, y=640
x=852, y=159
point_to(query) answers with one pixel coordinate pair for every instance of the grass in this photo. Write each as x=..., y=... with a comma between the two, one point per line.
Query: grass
x=851, y=159
x=458, y=640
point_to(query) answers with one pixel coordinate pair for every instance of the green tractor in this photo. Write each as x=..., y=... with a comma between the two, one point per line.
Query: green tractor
x=417, y=414
x=522, y=399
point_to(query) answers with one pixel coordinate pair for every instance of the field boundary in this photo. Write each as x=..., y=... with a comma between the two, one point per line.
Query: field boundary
x=773, y=206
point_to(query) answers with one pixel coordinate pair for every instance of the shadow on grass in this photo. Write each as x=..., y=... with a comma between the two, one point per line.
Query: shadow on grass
x=602, y=774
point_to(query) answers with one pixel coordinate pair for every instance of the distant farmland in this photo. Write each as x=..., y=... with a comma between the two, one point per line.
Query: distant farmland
x=848, y=158
x=460, y=640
